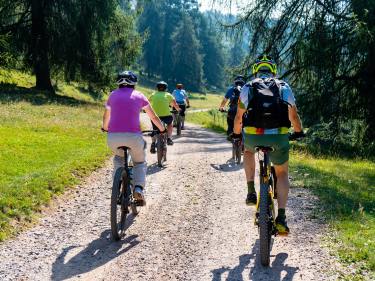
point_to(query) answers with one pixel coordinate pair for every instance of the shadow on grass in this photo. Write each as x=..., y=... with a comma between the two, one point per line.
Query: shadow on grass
x=340, y=198
x=11, y=93
x=96, y=254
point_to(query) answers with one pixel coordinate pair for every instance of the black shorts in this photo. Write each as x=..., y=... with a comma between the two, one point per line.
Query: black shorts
x=165, y=119
x=183, y=108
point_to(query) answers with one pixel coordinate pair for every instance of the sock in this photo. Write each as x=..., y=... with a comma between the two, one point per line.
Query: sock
x=281, y=212
x=250, y=187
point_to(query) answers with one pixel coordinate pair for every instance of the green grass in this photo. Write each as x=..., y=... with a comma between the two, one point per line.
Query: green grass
x=212, y=119
x=346, y=191
x=48, y=143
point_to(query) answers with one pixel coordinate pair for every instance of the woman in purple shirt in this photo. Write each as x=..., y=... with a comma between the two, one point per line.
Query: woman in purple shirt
x=122, y=121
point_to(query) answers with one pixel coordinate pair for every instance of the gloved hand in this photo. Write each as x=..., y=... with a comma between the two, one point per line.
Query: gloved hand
x=234, y=136
x=188, y=106
x=297, y=135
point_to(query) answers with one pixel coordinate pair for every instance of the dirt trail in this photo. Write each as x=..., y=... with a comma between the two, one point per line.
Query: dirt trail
x=195, y=227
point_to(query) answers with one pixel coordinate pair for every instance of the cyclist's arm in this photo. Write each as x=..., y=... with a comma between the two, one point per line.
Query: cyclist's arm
x=238, y=119
x=106, y=117
x=294, y=119
x=175, y=105
x=223, y=103
x=154, y=118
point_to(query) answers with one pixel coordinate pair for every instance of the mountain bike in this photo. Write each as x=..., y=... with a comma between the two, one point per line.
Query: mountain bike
x=177, y=121
x=265, y=208
x=122, y=197
x=237, y=148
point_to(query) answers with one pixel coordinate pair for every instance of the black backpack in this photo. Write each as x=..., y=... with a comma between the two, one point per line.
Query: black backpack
x=267, y=109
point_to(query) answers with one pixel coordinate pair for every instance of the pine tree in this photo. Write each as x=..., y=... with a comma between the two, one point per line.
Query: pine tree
x=187, y=62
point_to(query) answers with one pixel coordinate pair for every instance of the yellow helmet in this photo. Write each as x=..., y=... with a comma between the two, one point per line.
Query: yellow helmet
x=264, y=63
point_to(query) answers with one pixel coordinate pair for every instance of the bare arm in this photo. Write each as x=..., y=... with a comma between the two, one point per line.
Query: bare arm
x=154, y=118
x=106, y=117
x=294, y=119
x=175, y=105
x=223, y=103
x=238, y=120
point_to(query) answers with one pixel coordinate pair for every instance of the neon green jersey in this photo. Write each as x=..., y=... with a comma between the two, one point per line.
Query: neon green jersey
x=160, y=102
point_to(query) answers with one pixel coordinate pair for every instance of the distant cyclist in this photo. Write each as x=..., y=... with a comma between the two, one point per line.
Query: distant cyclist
x=121, y=120
x=270, y=109
x=161, y=100
x=182, y=100
x=232, y=95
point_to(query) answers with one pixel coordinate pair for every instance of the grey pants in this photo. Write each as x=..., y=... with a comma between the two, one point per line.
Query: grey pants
x=137, y=151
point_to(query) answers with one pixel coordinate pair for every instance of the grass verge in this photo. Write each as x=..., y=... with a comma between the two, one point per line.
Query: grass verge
x=346, y=189
x=48, y=143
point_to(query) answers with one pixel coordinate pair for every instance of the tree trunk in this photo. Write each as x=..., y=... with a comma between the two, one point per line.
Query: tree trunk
x=39, y=41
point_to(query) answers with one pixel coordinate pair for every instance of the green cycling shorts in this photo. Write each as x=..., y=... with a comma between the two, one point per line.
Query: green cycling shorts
x=280, y=143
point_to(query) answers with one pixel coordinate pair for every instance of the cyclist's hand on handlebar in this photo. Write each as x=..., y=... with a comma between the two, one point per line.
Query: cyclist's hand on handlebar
x=297, y=135
x=234, y=136
x=188, y=106
x=221, y=109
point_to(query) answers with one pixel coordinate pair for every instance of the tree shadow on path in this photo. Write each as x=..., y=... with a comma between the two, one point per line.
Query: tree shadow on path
x=277, y=271
x=96, y=254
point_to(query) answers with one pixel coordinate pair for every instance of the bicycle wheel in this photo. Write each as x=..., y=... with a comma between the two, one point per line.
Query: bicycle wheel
x=178, y=125
x=160, y=148
x=273, y=181
x=119, y=205
x=238, y=153
x=264, y=226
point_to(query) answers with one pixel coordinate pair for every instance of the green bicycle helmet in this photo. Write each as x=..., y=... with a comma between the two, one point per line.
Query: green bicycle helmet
x=264, y=63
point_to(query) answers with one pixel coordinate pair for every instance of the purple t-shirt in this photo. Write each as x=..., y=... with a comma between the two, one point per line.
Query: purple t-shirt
x=125, y=105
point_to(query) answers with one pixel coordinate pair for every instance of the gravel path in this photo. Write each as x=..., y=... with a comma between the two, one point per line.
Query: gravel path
x=195, y=227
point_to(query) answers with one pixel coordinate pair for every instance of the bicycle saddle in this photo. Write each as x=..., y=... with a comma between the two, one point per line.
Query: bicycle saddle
x=264, y=148
x=123, y=147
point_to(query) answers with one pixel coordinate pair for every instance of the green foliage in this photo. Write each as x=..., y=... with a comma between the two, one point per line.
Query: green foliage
x=346, y=192
x=167, y=55
x=187, y=62
x=327, y=49
x=83, y=40
x=48, y=143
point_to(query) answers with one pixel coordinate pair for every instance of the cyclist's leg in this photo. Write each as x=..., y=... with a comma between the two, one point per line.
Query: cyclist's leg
x=280, y=158
x=230, y=122
x=168, y=120
x=137, y=151
x=182, y=114
x=249, y=167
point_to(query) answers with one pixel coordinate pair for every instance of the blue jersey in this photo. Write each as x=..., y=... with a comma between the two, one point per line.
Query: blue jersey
x=180, y=96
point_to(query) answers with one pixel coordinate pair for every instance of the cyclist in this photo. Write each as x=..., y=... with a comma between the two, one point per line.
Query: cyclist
x=265, y=84
x=161, y=100
x=232, y=95
x=182, y=100
x=123, y=127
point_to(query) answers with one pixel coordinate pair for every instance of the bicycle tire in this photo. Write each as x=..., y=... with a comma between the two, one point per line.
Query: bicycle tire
x=264, y=226
x=238, y=154
x=178, y=125
x=118, y=227
x=160, y=148
x=274, y=182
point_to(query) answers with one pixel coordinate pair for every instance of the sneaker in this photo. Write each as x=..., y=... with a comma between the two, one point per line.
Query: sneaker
x=251, y=198
x=153, y=148
x=169, y=141
x=139, y=196
x=281, y=226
